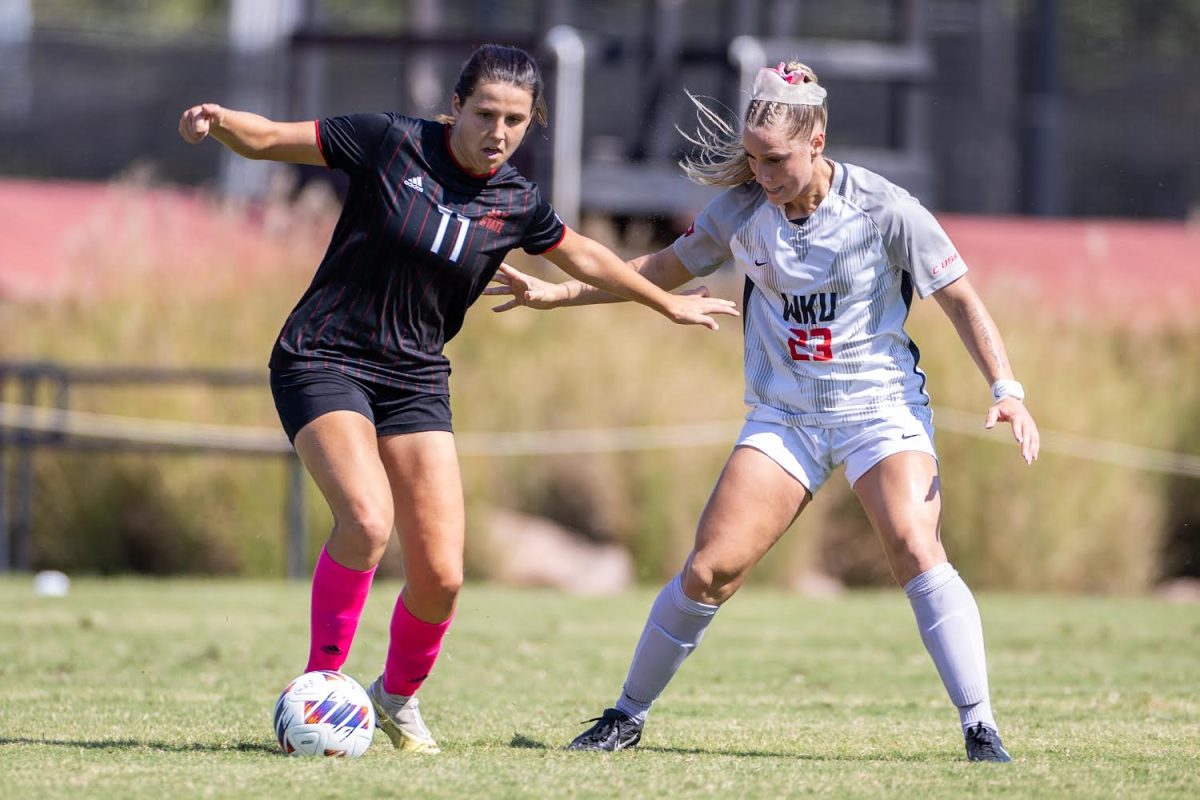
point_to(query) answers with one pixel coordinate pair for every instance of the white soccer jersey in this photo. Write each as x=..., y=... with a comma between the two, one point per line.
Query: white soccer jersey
x=826, y=299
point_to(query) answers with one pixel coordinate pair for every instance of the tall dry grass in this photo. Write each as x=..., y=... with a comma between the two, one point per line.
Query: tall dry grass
x=1066, y=523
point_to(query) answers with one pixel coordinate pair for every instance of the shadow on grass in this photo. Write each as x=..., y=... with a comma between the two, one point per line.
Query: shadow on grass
x=914, y=758
x=522, y=742
x=133, y=744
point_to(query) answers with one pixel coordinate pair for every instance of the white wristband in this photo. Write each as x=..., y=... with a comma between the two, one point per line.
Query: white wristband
x=1007, y=388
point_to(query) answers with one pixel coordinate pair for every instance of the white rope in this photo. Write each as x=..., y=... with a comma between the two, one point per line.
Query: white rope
x=109, y=428
x=266, y=441
x=1070, y=444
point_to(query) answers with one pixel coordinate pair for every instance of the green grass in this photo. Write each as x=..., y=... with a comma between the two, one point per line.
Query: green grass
x=139, y=688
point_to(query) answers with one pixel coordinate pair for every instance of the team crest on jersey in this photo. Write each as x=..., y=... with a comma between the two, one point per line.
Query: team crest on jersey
x=415, y=183
x=493, y=220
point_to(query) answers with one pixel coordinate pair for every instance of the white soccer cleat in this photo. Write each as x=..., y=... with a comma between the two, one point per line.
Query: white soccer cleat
x=401, y=722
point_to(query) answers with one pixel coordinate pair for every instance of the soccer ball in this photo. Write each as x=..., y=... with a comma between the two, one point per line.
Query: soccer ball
x=324, y=713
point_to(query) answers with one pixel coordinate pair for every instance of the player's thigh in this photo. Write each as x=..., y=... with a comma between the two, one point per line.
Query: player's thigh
x=339, y=450
x=752, y=505
x=902, y=497
x=426, y=486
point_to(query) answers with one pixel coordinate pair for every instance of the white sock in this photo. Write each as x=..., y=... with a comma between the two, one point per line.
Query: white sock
x=953, y=634
x=392, y=703
x=675, y=626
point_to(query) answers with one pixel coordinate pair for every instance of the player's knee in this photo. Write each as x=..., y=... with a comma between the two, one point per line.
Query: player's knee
x=915, y=552
x=368, y=526
x=709, y=583
x=432, y=597
x=438, y=586
x=448, y=584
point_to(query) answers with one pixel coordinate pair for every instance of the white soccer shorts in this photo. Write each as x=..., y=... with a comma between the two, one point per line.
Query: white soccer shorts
x=810, y=454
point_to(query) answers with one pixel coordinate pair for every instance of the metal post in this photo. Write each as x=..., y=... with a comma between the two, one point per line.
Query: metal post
x=748, y=55
x=657, y=80
x=994, y=189
x=567, y=170
x=1044, y=176
x=5, y=541
x=914, y=123
x=297, y=556
x=308, y=81
x=425, y=87
x=22, y=521
x=738, y=18
x=258, y=30
x=16, y=77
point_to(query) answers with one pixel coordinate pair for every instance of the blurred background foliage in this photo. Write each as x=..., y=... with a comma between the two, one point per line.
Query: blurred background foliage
x=1067, y=523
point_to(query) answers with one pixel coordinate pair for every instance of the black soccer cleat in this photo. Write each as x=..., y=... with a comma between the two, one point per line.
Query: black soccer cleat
x=614, y=730
x=983, y=744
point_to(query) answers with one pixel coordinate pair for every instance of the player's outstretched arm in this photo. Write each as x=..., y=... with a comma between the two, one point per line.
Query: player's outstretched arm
x=590, y=262
x=251, y=135
x=663, y=269
x=978, y=332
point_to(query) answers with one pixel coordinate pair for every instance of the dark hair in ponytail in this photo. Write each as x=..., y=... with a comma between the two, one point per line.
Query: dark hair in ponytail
x=497, y=63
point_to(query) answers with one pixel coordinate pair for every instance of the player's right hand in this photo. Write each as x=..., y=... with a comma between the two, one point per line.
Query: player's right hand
x=695, y=307
x=525, y=290
x=1024, y=429
x=197, y=121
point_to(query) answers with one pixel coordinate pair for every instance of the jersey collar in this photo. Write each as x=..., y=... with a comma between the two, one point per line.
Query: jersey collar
x=476, y=176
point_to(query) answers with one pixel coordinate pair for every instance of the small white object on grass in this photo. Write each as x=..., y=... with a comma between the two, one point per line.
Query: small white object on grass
x=51, y=583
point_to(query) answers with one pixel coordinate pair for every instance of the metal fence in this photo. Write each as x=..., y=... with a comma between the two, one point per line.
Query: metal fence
x=42, y=419
x=995, y=138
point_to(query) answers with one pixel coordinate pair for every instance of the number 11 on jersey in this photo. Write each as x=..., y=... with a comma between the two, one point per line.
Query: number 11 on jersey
x=463, y=224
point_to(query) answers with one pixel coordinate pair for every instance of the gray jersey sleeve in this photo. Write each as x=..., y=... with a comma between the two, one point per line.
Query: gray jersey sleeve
x=915, y=241
x=706, y=244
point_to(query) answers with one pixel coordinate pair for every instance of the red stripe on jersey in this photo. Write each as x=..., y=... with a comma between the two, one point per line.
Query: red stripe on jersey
x=384, y=334
x=321, y=150
x=318, y=309
x=556, y=244
x=358, y=293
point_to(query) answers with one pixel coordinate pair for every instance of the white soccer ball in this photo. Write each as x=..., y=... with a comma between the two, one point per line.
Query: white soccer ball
x=324, y=713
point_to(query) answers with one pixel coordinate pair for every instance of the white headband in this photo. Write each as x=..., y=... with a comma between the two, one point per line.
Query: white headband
x=772, y=85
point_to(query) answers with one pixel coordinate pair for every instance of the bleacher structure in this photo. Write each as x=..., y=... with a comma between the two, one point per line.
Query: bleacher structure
x=618, y=74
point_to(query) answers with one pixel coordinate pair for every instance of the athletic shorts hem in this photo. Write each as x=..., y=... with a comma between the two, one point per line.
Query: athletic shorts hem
x=792, y=469
x=424, y=426
x=305, y=394
x=919, y=446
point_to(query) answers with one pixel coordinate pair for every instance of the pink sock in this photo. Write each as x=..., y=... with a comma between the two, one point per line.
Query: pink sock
x=338, y=595
x=414, y=647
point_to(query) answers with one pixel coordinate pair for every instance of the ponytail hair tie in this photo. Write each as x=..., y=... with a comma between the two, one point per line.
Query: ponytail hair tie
x=777, y=85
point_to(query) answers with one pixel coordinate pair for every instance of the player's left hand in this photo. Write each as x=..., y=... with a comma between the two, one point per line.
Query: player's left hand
x=1012, y=410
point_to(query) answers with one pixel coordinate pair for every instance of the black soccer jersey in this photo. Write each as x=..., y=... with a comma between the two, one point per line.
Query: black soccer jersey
x=418, y=240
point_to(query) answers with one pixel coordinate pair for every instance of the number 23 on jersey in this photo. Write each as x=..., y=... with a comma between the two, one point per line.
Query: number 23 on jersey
x=811, y=344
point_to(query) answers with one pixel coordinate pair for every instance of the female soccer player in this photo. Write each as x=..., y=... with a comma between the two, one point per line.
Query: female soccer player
x=831, y=254
x=358, y=373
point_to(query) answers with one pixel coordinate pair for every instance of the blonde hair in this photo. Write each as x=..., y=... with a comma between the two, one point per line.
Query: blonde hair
x=721, y=160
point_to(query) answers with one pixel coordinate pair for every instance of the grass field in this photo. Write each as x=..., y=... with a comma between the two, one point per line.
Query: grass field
x=138, y=688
